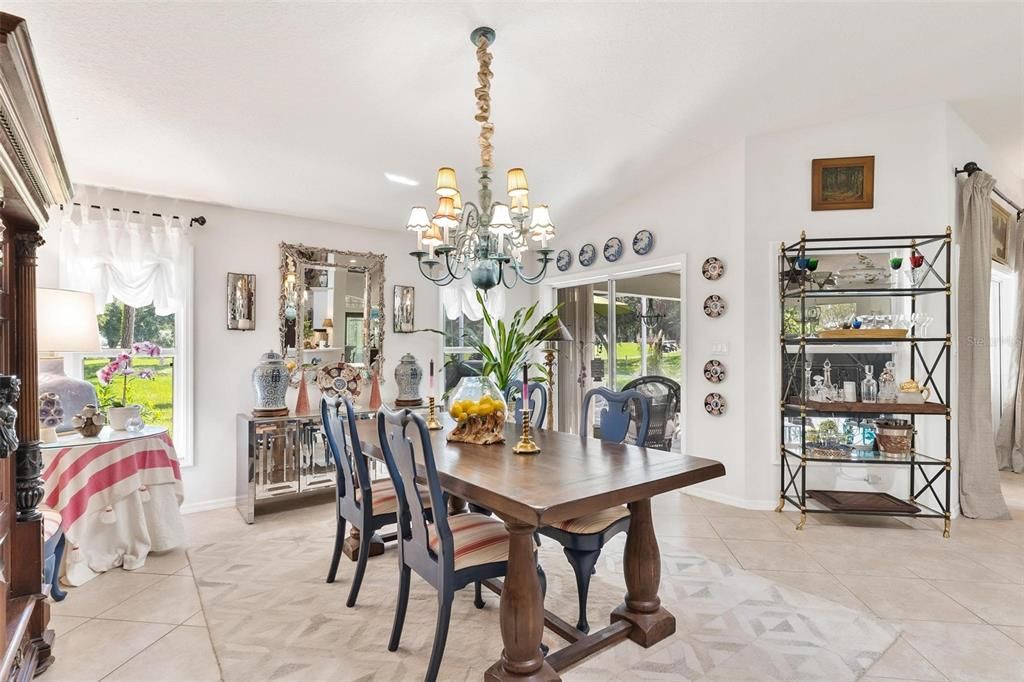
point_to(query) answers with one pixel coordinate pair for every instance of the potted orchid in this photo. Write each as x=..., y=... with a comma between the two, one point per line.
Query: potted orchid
x=119, y=412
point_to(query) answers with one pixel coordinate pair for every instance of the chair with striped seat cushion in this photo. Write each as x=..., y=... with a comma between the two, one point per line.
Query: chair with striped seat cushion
x=449, y=552
x=478, y=539
x=354, y=489
x=582, y=538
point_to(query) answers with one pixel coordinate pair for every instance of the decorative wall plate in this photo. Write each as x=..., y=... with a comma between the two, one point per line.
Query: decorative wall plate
x=643, y=242
x=714, y=371
x=339, y=378
x=563, y=260
x=588, y=254
x=613, y=249
x=714, y=404
x=714, y=306
x=713, y=269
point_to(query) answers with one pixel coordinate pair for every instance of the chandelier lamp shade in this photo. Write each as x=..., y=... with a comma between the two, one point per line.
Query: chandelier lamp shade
x=488, y=240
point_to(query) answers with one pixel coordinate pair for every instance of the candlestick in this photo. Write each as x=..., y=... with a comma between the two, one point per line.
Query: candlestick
x=432, y=422
x=526, y=444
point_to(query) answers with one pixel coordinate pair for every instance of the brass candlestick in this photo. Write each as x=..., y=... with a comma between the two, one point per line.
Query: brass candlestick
x=549, y=362
x=526, y=445
x=432, y=422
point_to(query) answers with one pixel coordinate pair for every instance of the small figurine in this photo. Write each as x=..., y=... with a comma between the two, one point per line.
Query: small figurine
x=89, y=422
x=10, y=391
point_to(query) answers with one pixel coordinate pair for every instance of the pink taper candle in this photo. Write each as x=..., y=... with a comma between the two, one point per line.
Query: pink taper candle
x=430, y=382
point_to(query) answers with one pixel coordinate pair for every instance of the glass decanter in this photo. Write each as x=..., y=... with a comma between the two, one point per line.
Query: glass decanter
x=807, y=380
x=869, y=387
x=829, y=389
x=887, y=391
x=817, y=392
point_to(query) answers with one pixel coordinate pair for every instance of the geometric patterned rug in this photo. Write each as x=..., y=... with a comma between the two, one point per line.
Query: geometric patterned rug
x=271, y=616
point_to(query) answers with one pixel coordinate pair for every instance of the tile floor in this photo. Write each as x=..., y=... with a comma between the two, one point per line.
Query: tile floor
x=959, y=602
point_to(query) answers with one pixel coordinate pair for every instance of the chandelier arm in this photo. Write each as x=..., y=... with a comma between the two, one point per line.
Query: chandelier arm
x=504, y=279
x=539, y=276
x=442, y=281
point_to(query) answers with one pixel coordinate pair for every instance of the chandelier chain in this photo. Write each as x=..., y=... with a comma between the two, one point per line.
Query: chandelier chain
x=483, y=103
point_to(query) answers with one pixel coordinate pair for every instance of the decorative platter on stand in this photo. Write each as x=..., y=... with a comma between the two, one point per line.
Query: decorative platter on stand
x=563, y=261
x=714, y=371
x=714, y=306
x=713, y=269
x=339, y=378
x=714, y=404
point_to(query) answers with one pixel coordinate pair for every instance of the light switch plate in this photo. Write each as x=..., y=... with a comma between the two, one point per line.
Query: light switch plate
x=719, y=348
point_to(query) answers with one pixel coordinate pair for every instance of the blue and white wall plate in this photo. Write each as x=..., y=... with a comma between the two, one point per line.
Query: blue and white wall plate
x=643, y=242
x=588, y=254
x=613, y=249
x=563, y=260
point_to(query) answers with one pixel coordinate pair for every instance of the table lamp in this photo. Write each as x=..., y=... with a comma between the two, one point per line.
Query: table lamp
x=65, y=323
x=558, y=335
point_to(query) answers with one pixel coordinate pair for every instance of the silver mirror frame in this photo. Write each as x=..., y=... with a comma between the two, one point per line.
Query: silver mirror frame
x=300, y=254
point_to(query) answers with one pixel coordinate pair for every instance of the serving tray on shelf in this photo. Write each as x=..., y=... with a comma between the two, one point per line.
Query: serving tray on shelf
x=850, y=501
x=862, y=334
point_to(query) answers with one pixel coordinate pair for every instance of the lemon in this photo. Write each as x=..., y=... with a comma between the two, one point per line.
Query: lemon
x=473, y=409
x=485, y=408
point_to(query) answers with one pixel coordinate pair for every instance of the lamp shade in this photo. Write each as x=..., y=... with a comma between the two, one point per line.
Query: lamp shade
x=66, y=321
x=559, y=333
x=432, y=237
x=501, y=219
x=517, y=182
x=446, y=184
x=541, y=218
x=419, y=219
x=445, y=216
x=328, y=323
x=520, y=205
x=457, y=204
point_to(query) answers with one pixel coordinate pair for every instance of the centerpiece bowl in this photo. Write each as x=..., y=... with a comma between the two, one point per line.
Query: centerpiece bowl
x=479, y=408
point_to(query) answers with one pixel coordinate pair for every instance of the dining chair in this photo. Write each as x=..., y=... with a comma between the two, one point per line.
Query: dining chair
x=368, y=506
x=665, y=397
x=538, y=402
x=582, y=538
x=449, y=552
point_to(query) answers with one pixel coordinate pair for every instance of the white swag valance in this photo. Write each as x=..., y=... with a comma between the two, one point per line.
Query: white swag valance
x=459, y=299
x=138, y=259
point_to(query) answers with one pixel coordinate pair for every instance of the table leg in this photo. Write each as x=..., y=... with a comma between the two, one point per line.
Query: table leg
x=522, y=613
x=642, y=567
x=350, y=547
x=457, y=505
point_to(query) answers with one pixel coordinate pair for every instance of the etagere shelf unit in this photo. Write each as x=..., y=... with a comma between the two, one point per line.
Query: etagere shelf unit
x=857, y=288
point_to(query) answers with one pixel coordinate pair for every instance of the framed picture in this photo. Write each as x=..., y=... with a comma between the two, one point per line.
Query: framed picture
x=405, y=309
x=843, y=183
x=1001, y=221
x=241, y=302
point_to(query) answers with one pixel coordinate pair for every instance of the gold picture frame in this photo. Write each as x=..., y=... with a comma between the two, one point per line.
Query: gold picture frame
x=843, y=183
x=1001, y=221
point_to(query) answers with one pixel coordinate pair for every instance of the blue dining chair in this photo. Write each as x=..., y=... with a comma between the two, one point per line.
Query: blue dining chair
x=538, y=402
x=582, y=538
x=449, y=552
x=368, y=506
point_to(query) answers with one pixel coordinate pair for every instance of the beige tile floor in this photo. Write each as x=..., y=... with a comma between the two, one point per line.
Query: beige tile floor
x=959, y=602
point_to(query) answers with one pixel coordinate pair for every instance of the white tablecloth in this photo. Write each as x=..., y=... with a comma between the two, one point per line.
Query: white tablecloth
x=118, y=495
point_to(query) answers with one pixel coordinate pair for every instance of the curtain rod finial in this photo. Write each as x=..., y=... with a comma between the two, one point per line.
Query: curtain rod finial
x=198, y=220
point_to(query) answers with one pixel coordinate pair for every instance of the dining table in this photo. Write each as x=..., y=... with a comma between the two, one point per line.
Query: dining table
x=571, y=476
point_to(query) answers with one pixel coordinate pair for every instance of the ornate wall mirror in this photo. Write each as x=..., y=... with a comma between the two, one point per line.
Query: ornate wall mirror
x=332, y=306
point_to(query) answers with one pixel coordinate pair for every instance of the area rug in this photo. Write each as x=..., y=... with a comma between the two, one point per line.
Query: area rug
x=271, y=616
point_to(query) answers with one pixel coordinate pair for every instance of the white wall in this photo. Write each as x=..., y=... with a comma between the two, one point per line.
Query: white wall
x=235, y=240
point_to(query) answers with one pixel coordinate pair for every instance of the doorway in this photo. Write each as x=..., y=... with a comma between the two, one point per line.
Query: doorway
x=627, y=332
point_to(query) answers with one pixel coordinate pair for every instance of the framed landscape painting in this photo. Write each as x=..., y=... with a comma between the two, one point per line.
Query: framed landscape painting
x=843, y=183
x=1000, y=233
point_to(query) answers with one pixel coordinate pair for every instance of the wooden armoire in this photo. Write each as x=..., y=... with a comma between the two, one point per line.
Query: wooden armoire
x=33, y=179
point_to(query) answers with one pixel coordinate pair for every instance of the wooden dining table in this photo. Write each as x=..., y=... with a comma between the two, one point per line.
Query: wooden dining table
x=570, y=477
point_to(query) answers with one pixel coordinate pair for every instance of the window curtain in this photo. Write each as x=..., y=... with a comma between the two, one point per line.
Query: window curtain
x=577, y=314
x=980, y=495
x=459, y=299
x=136, y=258
x=1010, y=437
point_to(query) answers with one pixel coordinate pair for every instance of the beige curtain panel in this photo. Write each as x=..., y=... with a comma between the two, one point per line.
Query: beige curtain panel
x=1010, y=437
x=980, y=495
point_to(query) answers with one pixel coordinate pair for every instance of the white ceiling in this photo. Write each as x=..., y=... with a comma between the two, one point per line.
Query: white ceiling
x=300, y=108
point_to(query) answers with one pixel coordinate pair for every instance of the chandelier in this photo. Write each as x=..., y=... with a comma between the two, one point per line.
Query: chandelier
x=490, y=241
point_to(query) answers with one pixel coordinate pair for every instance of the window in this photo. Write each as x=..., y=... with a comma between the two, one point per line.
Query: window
x=459, y=357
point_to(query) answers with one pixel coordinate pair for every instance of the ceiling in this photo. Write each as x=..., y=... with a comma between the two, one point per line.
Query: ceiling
x=300, y=108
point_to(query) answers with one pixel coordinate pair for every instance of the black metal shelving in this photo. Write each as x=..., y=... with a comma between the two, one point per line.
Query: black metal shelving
x=930, y=361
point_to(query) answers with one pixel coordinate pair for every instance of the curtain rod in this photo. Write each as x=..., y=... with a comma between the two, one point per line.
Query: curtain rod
x=198, y=220
x=971, y=168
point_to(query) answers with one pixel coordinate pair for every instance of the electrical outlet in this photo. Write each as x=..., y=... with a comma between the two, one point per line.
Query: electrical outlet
x=719, y=348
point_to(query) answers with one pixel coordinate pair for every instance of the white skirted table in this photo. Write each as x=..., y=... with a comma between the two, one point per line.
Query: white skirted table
x=118, y=495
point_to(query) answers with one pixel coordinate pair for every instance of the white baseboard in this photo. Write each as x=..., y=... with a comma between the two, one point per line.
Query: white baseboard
x=732, y=500
x=207, y=505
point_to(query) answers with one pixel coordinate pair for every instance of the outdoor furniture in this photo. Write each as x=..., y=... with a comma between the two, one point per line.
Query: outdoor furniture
x=665, y=398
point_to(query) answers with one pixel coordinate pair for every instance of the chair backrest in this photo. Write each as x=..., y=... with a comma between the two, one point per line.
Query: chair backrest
x=538, y=401
x=615, y=418
x=399, y=447
x=665, y=398
x=339, y=421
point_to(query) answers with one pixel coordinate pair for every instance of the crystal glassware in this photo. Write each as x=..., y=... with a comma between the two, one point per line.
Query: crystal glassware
x=829, y=388
x=887, y=391
x=869, y=387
